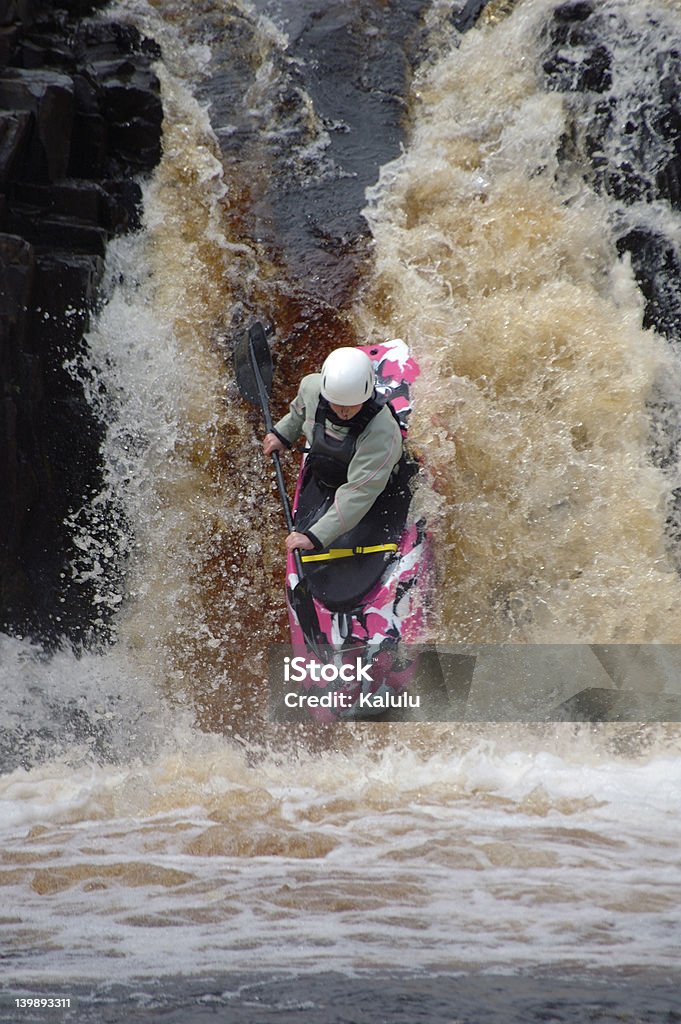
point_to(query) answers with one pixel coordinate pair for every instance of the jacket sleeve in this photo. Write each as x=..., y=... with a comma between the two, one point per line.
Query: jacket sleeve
x=378, y=450
x=301, y=411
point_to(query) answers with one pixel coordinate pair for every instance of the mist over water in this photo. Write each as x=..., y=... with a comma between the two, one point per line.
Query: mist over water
x=153, y=822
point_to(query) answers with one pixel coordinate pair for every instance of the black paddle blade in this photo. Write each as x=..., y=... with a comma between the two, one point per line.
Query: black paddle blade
x=302, y=603
x=253, y=340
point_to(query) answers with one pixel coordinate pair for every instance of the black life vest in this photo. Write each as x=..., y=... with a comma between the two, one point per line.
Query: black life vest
x=329, y=457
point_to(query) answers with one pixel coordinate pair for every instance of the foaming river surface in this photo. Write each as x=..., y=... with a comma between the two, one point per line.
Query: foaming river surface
x=153, y=824
x=437, y=852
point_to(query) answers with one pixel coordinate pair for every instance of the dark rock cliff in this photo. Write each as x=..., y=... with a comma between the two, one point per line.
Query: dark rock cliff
x=80, y=118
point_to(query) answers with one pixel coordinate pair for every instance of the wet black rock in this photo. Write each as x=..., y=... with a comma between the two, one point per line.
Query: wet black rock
x=332, y=114
x=625, y=126
x=48, y=97
x=656, y=264
x=465, y=15
x=577, y=59
x=15, y=129
x=131, y=108
x=80, y=117
x=50, y=456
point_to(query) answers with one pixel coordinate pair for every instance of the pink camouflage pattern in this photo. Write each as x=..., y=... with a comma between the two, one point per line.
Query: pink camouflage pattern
x=395, y=608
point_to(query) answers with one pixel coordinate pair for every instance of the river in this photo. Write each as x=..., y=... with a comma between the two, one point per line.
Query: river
x=354, y=172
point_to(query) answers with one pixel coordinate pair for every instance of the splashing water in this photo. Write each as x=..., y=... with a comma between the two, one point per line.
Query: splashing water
x=135, y=841
x=501, y=271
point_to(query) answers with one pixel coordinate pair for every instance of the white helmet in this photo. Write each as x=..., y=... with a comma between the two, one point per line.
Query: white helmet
x=347, y=377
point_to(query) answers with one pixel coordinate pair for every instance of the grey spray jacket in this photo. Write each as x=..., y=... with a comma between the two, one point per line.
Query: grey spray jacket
x=378, y=450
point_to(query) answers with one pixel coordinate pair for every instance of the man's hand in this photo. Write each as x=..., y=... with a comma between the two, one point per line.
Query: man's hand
x=298, y=540
x=271, y=443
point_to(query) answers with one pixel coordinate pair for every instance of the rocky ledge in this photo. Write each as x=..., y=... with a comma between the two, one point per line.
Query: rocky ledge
x=80, y=122
x=626, y=128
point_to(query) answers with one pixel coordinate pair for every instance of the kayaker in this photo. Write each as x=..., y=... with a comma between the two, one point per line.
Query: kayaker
x=355, y=442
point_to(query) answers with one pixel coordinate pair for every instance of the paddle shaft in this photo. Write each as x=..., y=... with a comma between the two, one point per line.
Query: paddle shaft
x=281, y=483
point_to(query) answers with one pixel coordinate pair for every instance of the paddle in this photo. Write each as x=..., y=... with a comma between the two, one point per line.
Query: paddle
x=253, y=370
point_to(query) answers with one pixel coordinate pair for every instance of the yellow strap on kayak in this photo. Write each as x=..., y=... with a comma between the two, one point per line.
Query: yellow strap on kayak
x=348, y=552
